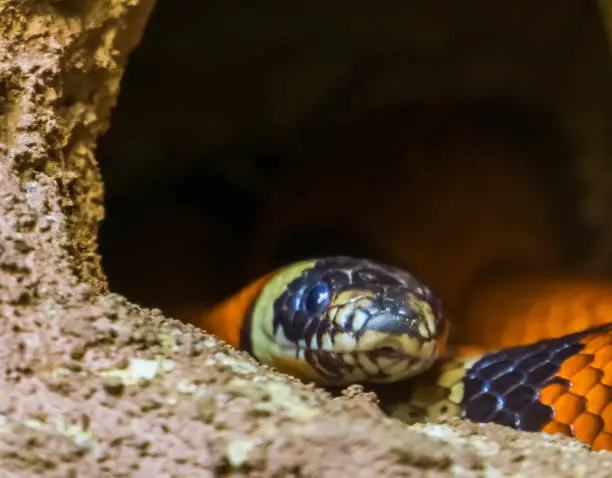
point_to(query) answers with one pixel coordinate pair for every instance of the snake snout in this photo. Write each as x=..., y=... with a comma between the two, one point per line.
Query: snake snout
x=400, y=334
x=405, y=312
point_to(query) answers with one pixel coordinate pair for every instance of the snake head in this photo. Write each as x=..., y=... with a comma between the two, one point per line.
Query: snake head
x=340, y=320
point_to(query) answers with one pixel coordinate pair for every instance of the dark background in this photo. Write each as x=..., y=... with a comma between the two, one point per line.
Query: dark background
x=225, y=103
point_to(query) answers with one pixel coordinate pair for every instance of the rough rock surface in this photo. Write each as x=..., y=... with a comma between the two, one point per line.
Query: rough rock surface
x=92, y=385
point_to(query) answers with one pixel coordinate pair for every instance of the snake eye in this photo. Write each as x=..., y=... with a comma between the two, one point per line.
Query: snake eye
x=317, y=298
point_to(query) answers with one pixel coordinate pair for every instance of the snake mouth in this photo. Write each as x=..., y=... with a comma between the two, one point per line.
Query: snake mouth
x=381, y=365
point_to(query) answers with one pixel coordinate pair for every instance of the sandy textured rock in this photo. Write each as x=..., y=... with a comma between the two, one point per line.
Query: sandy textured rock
x=91, y=385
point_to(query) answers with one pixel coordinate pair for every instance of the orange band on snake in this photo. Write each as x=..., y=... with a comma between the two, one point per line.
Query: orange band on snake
x=340, y=320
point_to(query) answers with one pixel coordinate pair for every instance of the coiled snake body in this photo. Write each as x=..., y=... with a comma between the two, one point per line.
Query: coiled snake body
x=340, y=320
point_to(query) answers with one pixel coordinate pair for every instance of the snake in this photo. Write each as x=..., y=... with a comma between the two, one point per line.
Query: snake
x=341, y=320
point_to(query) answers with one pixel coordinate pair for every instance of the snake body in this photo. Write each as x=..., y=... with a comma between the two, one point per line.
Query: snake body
x=342, y=320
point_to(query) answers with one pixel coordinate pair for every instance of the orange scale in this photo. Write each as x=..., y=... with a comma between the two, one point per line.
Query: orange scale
x=573, y=365
x=542, y=319
x=607, y=376
x=598, y=398
x=556, y=318
x=555, y=427
x=602, y=311
x=584, y=381
x=568, y=407
x=587, y=426
x=552, y=392
x=595, y=342
x=512, y=336
x=602, y=357
x=532, y=334
x=580, y=319
x=606, y=416
x=602, y=442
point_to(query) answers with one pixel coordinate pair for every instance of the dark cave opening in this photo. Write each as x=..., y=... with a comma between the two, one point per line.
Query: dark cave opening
x=198, y=147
